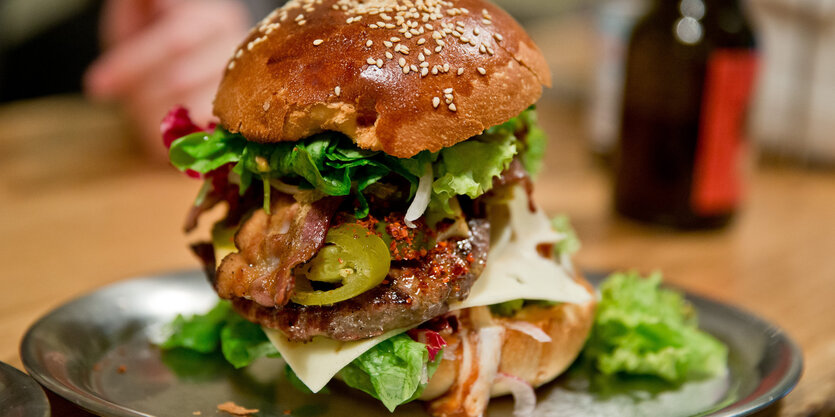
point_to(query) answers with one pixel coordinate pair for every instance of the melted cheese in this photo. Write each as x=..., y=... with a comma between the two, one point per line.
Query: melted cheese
x=514, y=270
x=317, y=361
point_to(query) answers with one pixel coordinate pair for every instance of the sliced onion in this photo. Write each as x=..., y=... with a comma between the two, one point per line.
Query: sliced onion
x=524, y=397
x=422, y=197
x=489, y=351
x=283, y=186
x=529, y=329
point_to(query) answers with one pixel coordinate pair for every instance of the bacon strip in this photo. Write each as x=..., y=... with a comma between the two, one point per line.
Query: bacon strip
x=270, y=246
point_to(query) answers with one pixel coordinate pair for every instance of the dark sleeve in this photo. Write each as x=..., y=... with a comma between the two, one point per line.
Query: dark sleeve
x=53, y=61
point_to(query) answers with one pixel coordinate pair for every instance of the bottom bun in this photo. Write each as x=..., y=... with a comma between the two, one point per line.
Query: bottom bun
x=522, y=356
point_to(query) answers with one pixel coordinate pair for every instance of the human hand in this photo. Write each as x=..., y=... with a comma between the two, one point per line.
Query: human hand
x=162, y=53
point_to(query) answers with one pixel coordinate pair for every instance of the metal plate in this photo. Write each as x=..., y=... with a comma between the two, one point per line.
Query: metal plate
x=20, y=395
x=98, y=352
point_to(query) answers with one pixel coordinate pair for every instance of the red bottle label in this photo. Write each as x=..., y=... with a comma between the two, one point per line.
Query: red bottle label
x=717, y=169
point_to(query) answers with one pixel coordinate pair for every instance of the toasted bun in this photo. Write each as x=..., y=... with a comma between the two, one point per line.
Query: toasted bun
x=567, y=324
x=312, y=66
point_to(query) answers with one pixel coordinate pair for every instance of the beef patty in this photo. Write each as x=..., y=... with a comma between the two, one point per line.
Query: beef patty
x=414, y=291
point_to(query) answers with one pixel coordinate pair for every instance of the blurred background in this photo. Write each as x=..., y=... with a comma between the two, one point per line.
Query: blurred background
x=696, y=137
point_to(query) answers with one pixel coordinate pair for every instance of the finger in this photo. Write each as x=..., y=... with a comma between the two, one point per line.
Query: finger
x=202, y=68
x=184, y=27
x=120, y=19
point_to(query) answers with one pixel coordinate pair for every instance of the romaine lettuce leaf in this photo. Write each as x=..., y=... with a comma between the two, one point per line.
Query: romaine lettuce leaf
x=643, y=329
x=395, y=371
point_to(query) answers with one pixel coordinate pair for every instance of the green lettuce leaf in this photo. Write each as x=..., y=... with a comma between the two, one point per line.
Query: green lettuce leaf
x=456, y=174
x=200, y=332
x=643, y=329
x=535, y=142
x=242, y=342
x=395, y=371
x=332, y=164
x=221, y=328
x=570, y=244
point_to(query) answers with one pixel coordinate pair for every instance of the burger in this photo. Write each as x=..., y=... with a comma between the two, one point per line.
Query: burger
x=375, y=159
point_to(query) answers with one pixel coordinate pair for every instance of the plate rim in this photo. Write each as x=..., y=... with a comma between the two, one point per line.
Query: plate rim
x=101, y=406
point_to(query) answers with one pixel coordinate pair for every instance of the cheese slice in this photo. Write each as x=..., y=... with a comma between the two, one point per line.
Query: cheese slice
x=316, y=362
x=514, y=270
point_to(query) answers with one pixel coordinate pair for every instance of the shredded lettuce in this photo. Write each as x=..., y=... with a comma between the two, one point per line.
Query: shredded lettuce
x=333, y=165
x=395, y=371
x=643, y=329
x=240, y=341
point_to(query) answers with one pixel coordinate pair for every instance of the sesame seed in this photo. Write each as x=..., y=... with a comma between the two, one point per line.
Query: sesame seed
x=239, y=53
x=476, y=31
x=421, y=57
x=498, y=37
x=387, y=44
x=438, y=48
x=424, y=64
x=424, y=71
x=373, y=26
x=337, y=90
x=465, y=39
x=408, y=35
x=460, y=71
x=482, y=49
x=231, y=65
x=436, y=102
x=446, y=67
x=379, y=63
x=395, y=39
x=406, y=69
x=427, y=51
x=402, y=62
x=413, y=67
x=486, y=21
x=481, y=71
x=389, y=55
x=435, y=70
x=447, y=100
x=299, y=17
x=452, y=107
x=317, y=42
x=369, y=43
x=370, y=61
x=448, y=97
x=448, y=90
x=302, y=22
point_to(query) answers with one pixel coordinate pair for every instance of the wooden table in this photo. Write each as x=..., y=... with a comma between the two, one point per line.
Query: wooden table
x=80, y=207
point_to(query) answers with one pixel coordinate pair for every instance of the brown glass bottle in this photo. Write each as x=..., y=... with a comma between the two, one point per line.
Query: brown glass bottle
x=689, y=72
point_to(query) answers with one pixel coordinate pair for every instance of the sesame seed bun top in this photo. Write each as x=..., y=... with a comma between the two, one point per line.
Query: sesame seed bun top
x=399, y=76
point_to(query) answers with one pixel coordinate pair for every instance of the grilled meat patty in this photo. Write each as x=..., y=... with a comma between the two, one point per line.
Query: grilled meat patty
x=414, y=291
